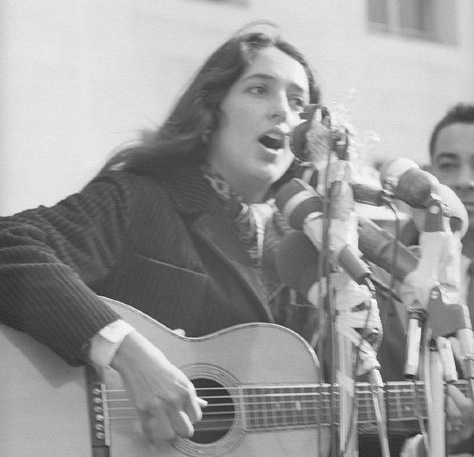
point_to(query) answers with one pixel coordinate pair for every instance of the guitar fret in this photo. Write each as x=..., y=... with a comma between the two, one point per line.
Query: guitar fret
x=260, y=416
x=263, y=409
x=325, y=404
x=306, y=406
x=313, y=406
x=399, y=408
x=271, y=407
x=392, y=400
x=406, y=400
x=279, y=409
x=364, y=406
x=288, y=407
x=248, y=408
x=293, y=407
x=407, y=395
x=298, y=399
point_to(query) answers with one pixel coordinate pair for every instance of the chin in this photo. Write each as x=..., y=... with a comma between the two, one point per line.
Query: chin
x=273, y=171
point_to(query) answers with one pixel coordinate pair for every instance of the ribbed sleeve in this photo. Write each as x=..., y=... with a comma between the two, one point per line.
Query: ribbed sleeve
x=50, y=256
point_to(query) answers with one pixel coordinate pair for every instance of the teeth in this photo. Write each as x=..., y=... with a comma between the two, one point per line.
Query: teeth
x=274, y=135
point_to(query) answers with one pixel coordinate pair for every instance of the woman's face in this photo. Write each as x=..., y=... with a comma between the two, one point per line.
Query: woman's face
x=250, y=148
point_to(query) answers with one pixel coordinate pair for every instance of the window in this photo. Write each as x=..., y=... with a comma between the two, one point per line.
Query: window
x=432, y=20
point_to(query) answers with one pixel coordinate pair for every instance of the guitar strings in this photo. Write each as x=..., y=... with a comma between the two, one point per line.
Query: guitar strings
x=407, y=394
x=223, y=420
x=395, y=387
x=294, y=403
x=259, y=418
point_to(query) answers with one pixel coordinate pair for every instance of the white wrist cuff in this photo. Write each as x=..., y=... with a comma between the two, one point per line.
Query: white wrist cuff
x=106, y=342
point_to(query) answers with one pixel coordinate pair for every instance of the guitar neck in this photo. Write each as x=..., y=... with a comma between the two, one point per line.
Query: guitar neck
x=268, y=407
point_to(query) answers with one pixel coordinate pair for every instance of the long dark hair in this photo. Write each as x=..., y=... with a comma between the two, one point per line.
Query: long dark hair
x=182, y=137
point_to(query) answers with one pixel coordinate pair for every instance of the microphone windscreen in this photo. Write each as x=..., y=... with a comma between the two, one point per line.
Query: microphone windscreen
x=297, y=262
x=298, y=135
x=296, y=200
x=392, y=169
x=378, y=246
x=408, y=182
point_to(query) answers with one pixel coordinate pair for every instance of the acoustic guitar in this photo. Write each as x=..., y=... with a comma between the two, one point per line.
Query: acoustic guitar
x=261, y=380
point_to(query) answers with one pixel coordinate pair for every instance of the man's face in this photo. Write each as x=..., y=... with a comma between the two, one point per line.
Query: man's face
x=453, y=162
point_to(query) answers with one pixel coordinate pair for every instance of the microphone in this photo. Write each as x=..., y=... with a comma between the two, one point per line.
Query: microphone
x=407, y=182
x=300, y=204
x=379, y=247
x=363, y=193
x=298, y=134
x=404, y=180
x=302, y=208
x=296, y=200
x=298, y=265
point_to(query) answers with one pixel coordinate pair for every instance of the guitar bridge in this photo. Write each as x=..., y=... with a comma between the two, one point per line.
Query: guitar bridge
x=98, y=415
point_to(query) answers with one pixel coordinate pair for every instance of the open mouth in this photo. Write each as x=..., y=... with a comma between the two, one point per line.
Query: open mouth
x=272, y=141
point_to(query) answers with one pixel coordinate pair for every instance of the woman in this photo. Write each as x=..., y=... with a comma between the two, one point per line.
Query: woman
x=182, y=227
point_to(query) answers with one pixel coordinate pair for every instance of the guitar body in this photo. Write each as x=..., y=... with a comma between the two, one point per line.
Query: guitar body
x=44, y=409
x=43, y=406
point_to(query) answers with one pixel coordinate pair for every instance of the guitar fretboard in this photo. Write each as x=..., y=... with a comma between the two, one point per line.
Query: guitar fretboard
x=268, y=407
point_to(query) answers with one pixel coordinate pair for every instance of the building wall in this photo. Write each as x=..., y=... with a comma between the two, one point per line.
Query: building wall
x=78, y=79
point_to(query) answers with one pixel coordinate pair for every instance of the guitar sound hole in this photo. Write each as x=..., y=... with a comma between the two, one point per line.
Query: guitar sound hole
x=218, y=415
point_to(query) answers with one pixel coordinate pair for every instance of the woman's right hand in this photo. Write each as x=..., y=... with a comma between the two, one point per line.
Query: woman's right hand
x=164, y=397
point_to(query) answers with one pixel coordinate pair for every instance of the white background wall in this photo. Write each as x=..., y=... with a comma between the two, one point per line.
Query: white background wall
x=79, y=78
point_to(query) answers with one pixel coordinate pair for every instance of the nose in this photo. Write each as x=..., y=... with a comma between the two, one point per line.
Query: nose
x=466, y=178
x=281, y=109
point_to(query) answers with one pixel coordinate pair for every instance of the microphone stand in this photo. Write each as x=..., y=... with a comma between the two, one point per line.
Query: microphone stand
x=343, y=349
x=348, y=354
x=422, y=320
x=439, y=271
x=331, y=312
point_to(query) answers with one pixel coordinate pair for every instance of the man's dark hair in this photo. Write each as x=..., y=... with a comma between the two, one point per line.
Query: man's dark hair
x=460, y=113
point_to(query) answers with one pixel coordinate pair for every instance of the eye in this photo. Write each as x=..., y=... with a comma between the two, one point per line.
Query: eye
x=259, y=89
x=297, y=103
x=448, y=166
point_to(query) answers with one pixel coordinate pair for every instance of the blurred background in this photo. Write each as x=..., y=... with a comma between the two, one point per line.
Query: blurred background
x=80, y=78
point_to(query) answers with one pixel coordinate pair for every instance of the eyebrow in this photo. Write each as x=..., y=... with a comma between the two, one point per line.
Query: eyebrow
x=268, y=77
